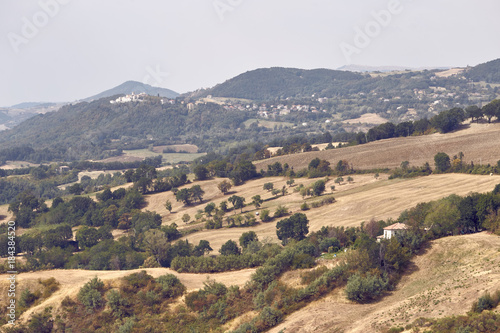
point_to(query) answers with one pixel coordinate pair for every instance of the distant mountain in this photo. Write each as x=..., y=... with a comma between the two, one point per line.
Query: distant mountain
x=134, y=87
x=29, y=105
x=488, y=72
x=363, y=68
x=278, y=82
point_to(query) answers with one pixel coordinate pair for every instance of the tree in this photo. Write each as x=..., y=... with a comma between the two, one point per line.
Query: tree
x=229, y=248
x=372, y=228
x=184, y=195
x=257, y=201
x=492, y=109
x=318, y=187
x=197, y=192
x=202, y=248
x=284, y=190
x=295, y=227
x=186, y=218
x=156, y=242
x=200, y=172
x=332, y=188
x=339, y=180
x=223, y=206
x=76, y=189
x=268, y=186
x=209, y=208
x=290, y=182
x=238, y=202
x=350, y=179
x=224, y=186
x=143, y=221
x=87, y=237
x=248, y=237
x=474, y=112
x=442, y=162
x=168, y=206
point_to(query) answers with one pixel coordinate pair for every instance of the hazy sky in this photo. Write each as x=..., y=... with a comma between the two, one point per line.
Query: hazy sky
x=63, y=50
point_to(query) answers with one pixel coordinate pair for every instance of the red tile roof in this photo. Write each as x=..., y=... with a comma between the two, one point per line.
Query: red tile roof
x=396, y=226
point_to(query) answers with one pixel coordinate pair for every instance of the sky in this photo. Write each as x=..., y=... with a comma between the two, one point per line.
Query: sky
x=65, y=50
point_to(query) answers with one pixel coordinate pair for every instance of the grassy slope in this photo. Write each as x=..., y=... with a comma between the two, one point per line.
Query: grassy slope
x=366, y=198
x=477, y=142
x=72, y=280
x=443, y=281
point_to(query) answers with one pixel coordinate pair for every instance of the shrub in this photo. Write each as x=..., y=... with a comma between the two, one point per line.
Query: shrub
x=264, y=215
x=329, y=245
x=117, y=303
x=310, y=276
x=171, y=286
x=280, y=211
x=27, y=298
x=361, y=289
x=304, y=206
x=486, y=302
x=90, y=294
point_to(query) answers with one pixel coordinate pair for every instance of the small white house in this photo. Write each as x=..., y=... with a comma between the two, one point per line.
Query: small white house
x=394, y=229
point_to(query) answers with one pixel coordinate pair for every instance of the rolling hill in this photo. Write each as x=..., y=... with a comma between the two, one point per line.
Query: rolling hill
x=488, y=72
x=476, y=142
x=444, y=281
x=278, y=82
x=133, y=87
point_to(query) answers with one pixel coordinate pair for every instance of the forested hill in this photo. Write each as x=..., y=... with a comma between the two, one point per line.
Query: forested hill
x=278, y=82
x=134, y=87
x=97, y=129
x=488, y=72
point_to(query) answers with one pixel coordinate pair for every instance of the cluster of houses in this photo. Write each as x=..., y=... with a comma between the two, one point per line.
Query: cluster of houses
x=130, y=98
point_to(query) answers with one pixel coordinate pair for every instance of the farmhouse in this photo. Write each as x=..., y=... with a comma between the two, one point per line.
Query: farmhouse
x=394, y=229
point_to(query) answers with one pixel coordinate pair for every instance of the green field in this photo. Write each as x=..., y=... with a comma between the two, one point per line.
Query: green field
x=167, y=158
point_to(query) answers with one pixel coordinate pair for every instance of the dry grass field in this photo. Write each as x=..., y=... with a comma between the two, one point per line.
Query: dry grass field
x=360, y=201
x=367, y=118
x=479, y=143
x=72, y=280
x=445, y=280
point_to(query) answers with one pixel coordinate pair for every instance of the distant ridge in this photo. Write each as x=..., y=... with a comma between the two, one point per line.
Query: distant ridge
x=29, y=105
x=363, y=68
x=279, y=82
x=133, y=87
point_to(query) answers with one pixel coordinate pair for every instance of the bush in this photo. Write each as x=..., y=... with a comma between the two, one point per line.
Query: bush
x=90, y=294
x=304, y=206
x=486, y=302
x=171, y=286
x=329, y=245
x=362, y=289
x=264, y=215
x=280, y=211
